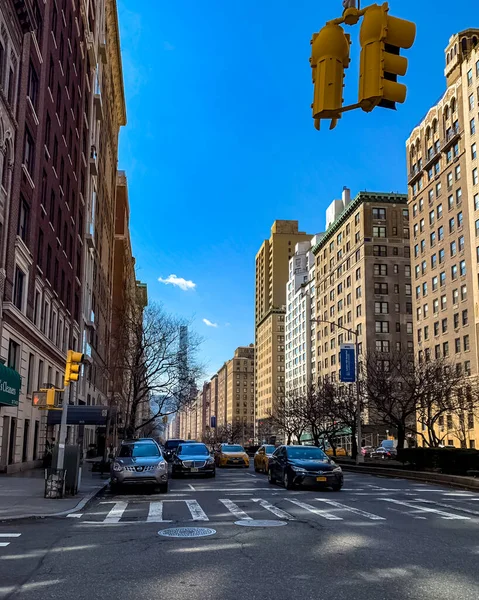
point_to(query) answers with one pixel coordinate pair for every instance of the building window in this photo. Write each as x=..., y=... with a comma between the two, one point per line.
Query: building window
x=18, y=293
x=475, y=176
x=29, y=152
x=31, y=366
x=380, y=250
x=381, y=288
x=382, y=326
x=13, y=355
x=381, y=308
x=380, y=270
x=382, y=345
x=473, y=151
x=23, y=218
x=379, y=232
x=462, y=268
x=473, y=126
x=379, y=213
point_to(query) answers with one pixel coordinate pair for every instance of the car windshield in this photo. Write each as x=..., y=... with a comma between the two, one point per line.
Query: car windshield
x=170, y=444
x=269, y=449
x=138, y=450
x=306, y=453
x=196, y=449
x=232, y=449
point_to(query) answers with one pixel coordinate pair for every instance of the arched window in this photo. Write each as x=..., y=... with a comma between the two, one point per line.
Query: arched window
x=447, y=58
x=434, y=126
x=428, y=133
x=464, y=45
x=446, y=112
x=453, y=105
x=6, y=160
x=474, y=41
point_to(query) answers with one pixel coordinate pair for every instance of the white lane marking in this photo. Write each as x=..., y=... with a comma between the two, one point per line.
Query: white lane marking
x=4, y=544
x=116, y=512
x=235, y=510
x=197, y=513
x=251, y=475
x=276, y=511
x=191, y=487
x=75, y=515
x=155, y=513
x=441, y=513
x=9, y=535
x=316, y=511
x=356, y=511
x=459, y=508
x=460, y=494
x=228, y=489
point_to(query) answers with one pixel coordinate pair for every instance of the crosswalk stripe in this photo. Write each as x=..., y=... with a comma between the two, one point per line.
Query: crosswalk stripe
x=441, y=513
x=3, y=544
x=356, y=511
x=235, y=510
x=316, y=511
x=116, y=512
x=197, y=513
x=155, y=513
x=10, y=535
x=442, y=505
x=274, y=509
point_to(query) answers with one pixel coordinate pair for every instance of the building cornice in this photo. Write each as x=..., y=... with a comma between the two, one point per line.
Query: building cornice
x=115, y=60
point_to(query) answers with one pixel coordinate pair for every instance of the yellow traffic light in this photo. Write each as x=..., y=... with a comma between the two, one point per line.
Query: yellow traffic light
x=72, y=368
x=381, y=38
x=329, y=58
x=51, y=397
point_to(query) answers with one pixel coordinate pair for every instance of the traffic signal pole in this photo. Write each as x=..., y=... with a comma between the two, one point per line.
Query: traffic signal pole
x=63, y=428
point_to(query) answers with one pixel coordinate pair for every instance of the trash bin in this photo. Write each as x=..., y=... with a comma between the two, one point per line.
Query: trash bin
x=55, y=483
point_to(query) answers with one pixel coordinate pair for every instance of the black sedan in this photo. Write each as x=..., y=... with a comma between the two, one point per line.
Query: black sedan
x=192, y=459
x=304, y=465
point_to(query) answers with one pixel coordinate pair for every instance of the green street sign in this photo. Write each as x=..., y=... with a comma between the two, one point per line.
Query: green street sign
x=10, y=384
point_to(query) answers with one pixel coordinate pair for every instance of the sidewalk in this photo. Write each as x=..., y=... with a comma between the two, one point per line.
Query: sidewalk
x=21, y=494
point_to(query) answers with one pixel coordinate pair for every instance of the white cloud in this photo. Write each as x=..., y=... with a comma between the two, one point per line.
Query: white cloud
x=183, y=284
x=208, y=323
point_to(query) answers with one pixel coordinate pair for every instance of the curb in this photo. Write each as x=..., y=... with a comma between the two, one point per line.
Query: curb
x=81, y=504
x=438, y=479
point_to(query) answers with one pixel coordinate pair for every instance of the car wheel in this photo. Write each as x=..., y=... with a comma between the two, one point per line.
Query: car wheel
x=271, y=477
x=163, y=487
x=337, y=487
x=288, y=483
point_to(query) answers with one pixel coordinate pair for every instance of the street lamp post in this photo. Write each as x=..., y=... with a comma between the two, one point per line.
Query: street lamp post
x=359, y=456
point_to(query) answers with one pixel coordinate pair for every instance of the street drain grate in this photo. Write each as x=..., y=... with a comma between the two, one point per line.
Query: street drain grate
x=187, y=532
x=260, y=523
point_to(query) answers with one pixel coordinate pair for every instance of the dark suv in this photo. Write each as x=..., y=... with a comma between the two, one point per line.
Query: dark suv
x=170, y=448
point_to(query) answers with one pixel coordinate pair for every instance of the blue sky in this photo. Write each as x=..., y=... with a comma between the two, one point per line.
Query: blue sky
x=220, y=141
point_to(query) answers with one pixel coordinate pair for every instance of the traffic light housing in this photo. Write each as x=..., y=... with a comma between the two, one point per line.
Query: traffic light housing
x=51, y=397
x=72, y=368
x=381, y=38
x=329, y=59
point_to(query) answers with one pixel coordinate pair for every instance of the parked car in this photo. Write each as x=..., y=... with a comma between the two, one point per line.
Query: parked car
x=192, y=458
x=339, y=452
x=384, y=453
x=170, y=447
x=366, y=450
x=231, y=455
x=262, y=456
x=139, y=462
x=304, y=465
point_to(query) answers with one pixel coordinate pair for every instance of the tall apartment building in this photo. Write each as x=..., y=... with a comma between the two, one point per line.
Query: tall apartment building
x=240, y=393
x=106, y=113
x=222, y=383
x=363, y=279
x=272, y=270
x=300, y=327
x=443, y=177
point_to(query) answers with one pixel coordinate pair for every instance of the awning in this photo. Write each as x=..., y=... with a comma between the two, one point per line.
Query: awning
x=10, y=384
x=80, y=415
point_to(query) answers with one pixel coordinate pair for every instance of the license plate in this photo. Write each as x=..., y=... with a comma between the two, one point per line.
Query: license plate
x=321, y=479
x=193, y=470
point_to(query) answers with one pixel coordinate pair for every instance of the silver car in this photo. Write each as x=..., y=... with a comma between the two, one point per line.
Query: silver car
x=139, y=463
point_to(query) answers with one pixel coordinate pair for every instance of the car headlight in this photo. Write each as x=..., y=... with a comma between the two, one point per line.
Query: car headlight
x=210, y=461
x=337, y=470
x=117, y=467
x=298, y=469
x=161, y=465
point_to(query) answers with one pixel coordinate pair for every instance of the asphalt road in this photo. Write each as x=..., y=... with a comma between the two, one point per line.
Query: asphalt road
x=377, y=539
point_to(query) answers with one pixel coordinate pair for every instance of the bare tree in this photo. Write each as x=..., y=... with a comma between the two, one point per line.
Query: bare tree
x=152, y=359
x=341, y=410
x=288, y=418
x=315, y=408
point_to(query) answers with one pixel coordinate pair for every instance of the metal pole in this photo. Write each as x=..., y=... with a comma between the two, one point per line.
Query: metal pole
x=359, y=456
x=63, y=428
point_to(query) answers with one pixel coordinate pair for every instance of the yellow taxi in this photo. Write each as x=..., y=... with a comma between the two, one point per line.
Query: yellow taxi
x=231, y=455
x=339, y=452
x=261, y=458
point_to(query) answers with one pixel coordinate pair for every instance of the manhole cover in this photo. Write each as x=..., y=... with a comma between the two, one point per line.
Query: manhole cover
x=260, y=523
x=187, y=532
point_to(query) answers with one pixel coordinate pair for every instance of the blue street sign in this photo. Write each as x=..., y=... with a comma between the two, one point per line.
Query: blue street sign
x=213, y=421
x=348, y=363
